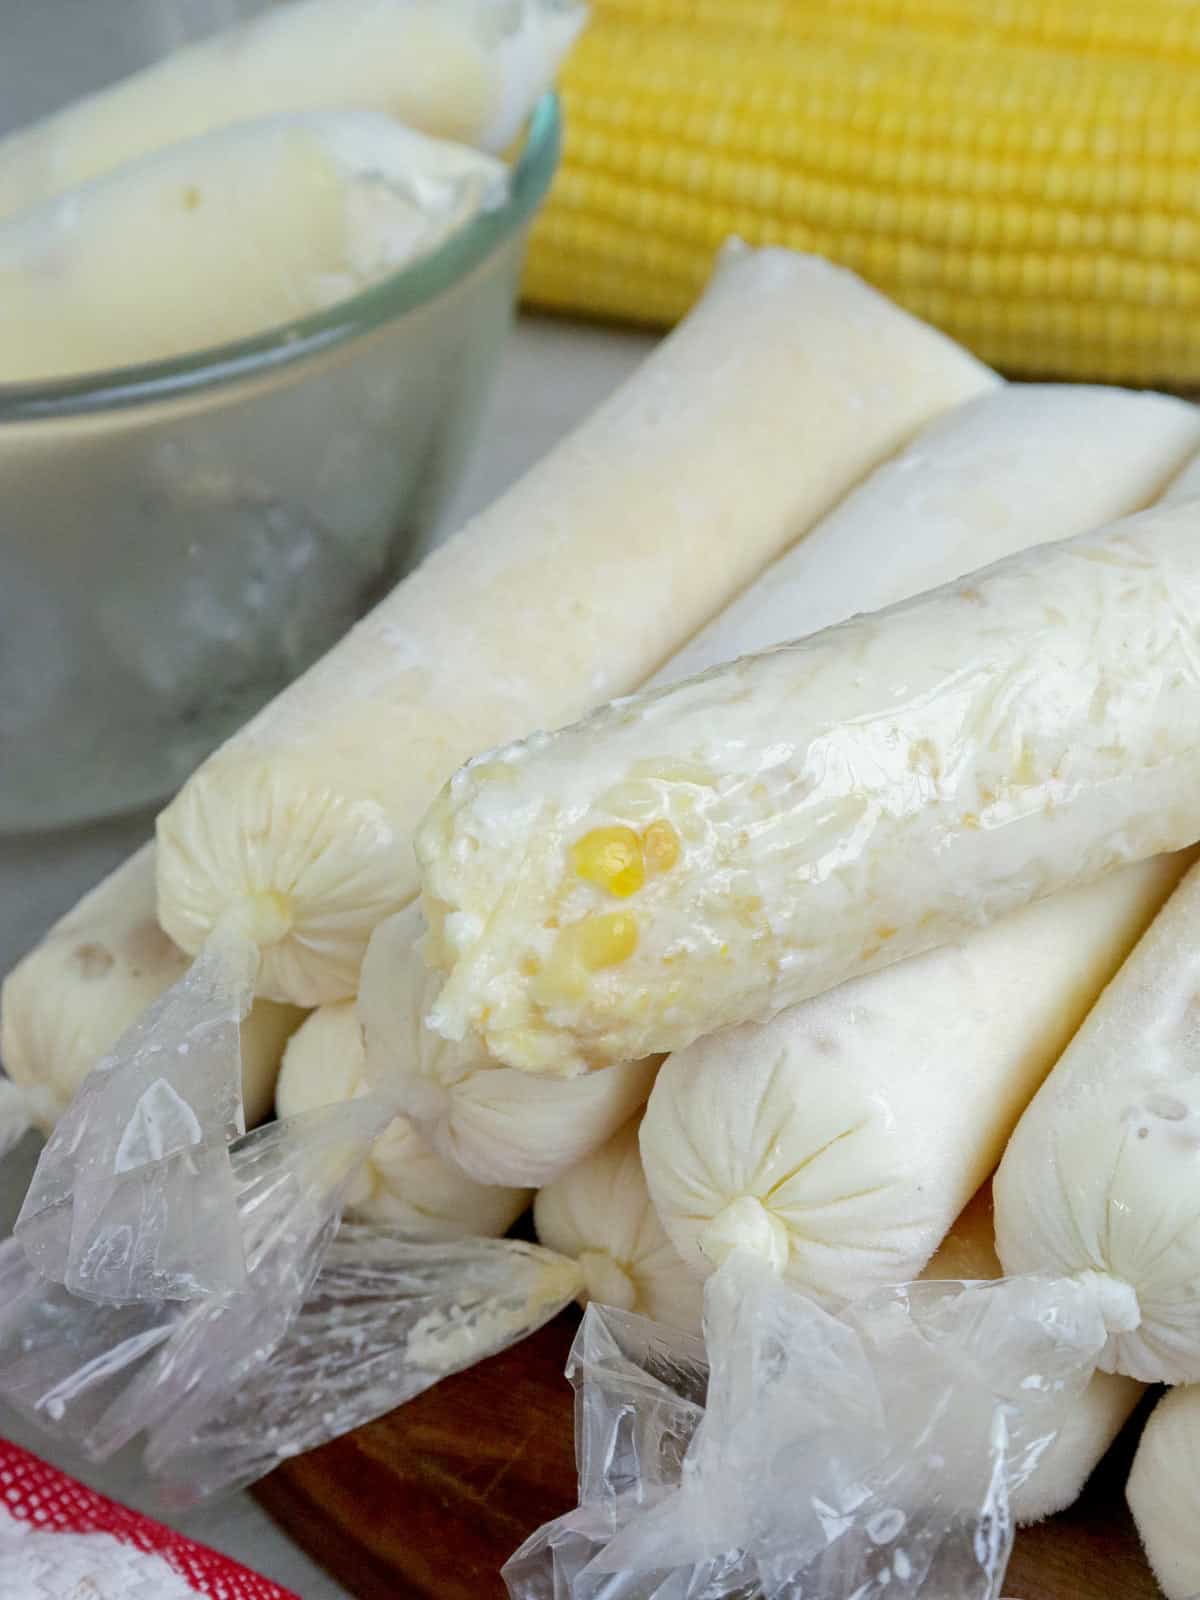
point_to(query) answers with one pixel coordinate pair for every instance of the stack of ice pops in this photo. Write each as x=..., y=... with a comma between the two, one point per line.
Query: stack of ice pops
x=261, y=174
x=756, y=975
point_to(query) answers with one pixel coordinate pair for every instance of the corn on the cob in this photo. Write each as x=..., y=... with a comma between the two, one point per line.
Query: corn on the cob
x=969, y=1251
x=404, y=1183
x=458, y=70
x=787, y=384
x=1099, y=1178
x=600, y=1215
x=68, y=1002
x=496, y=1124
x=1164, y=1489
x=1021, y=177
x=239, y=233
x=866, y=794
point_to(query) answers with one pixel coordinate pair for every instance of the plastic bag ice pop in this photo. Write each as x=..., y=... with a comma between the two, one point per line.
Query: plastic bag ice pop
x=1163, y=1490
x=787, y=383
x=233, y=235
x=461, y=69
x=974, y=486
x=809, y=815
x=97, y=969
x=1099, y=1178
x=403, y=1183
x=1098, y=1415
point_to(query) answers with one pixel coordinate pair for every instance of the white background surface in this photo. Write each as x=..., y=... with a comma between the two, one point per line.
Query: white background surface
x=551, y=375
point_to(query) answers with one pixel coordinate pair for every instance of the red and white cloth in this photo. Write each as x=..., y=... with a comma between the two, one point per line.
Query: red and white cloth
x=62, y=1541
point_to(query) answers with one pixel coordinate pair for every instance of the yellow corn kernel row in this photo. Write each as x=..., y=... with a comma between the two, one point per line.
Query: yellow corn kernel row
x=1026, y=179
x=1165, y=29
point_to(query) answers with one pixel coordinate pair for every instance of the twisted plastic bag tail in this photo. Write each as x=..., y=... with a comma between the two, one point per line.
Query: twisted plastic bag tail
x=862, y=1456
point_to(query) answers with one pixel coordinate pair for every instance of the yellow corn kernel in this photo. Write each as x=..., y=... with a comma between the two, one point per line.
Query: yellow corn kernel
x=1010, y=173
x=661, y=845
x=585, y=947
x=612, y=858
x=607, y=940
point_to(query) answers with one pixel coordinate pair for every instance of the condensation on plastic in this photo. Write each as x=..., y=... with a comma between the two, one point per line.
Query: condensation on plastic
x=60, y=1353
x=839, y=803
x=133, y=1197
x=867, y=1456
x=326, y=1332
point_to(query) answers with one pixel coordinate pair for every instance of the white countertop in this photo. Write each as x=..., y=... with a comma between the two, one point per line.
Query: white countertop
x=551, y=375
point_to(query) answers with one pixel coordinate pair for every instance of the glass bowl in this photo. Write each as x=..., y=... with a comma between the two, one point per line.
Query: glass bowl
x=178, y=541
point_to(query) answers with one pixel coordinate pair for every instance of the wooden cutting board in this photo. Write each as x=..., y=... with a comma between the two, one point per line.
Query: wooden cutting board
x=432, y=1499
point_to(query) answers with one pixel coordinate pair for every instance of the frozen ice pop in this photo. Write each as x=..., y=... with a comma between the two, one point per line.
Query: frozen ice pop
x=225, y=237
x=972, y=486
x=1100, y=1177
x=461, y=69
x=815, y=813
x=1164, y=1490
x=294, y=841
x=788, y=382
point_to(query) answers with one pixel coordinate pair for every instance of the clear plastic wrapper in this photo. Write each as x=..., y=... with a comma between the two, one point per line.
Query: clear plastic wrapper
x=388, y=1317
x=133, y=1196
x=60, y=1353
x=846, y=1457
x=292, y=1178
x=63, y=1360
x=327, y=1331
x=1091, y=1425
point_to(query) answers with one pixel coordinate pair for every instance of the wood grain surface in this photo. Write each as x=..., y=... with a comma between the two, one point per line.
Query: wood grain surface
x=431, y=1500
